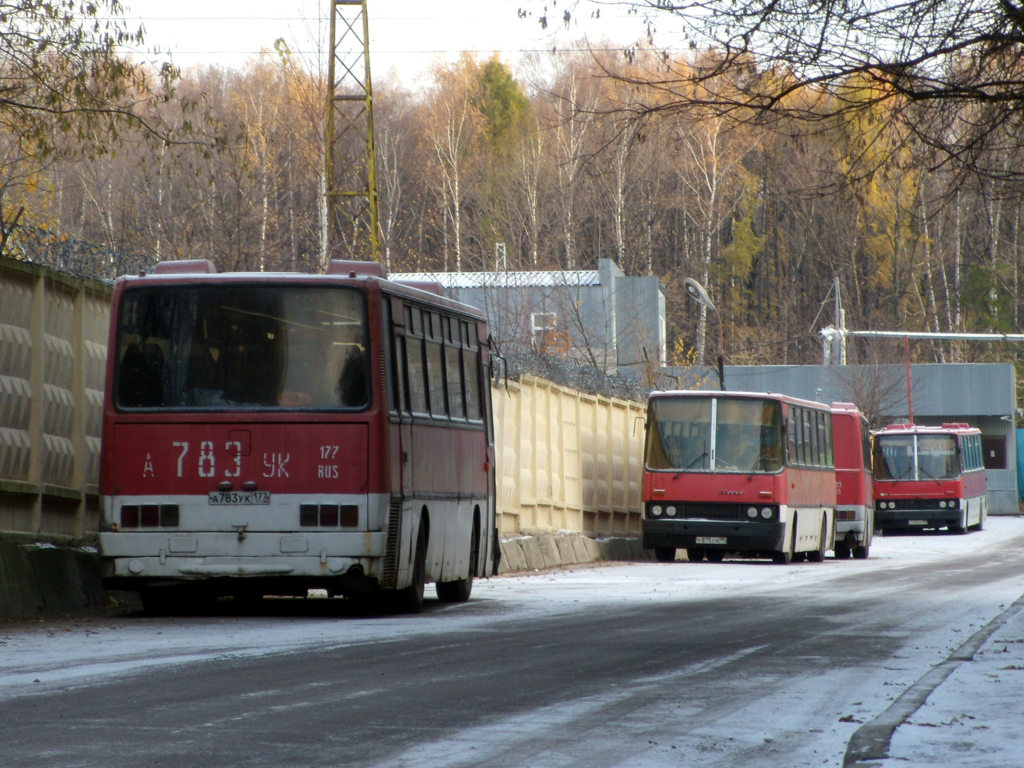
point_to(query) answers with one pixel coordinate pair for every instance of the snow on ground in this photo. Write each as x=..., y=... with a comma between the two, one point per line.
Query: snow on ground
x=972, y=719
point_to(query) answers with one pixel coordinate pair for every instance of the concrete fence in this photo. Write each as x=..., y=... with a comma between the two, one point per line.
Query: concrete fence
x=567, y=461
x=53, y=348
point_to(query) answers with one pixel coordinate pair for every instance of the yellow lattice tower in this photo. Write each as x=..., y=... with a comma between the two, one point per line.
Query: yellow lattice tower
x=351, y=225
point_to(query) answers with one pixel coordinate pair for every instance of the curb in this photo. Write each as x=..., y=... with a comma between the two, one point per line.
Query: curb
x=538, y=550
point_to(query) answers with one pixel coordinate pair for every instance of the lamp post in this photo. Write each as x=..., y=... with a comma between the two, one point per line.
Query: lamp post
x=698, y=294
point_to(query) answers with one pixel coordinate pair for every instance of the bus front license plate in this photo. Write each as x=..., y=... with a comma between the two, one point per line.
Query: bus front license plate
x=240, y=497
x=711, y=540
x=917, y=522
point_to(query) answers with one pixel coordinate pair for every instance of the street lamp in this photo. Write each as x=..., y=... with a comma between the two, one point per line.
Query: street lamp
x=698, y=294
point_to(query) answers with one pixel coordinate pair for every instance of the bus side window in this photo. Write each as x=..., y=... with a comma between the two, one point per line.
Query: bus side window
x=437, y=393
x=472, y=375
x=399, y=384
x=414, y=364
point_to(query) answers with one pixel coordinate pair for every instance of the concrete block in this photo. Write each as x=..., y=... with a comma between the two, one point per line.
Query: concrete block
x=549, y=551
x=532, y=553
x=592, y=548
x=91, y=575
x=57, y=578
x=566, y=550
x=620, y=548
x=512, y=557
x=18, y=596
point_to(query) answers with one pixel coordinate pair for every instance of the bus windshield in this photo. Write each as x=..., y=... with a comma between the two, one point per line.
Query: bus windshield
x=936, y=457
x=231, y=347
x=714, y=434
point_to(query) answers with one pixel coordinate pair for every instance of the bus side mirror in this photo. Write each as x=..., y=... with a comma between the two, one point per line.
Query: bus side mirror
x=499, y=370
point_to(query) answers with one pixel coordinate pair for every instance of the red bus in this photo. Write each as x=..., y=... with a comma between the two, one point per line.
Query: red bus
x=271, y=434
x=855, y=502
x=929, y=477
x=742, y=473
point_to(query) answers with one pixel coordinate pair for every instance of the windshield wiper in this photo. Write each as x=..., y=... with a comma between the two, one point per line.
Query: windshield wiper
x=701, y=457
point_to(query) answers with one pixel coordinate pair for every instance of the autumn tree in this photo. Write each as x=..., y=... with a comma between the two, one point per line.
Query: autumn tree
x=949, y=72
x=507, y=118
x=453, y=133
x=64, y=87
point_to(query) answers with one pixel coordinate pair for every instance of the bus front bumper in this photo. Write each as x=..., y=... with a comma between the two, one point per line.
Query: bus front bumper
x=731, y=536
x=911, y=519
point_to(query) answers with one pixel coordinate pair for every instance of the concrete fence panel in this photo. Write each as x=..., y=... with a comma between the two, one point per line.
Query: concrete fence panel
x=573, y=460
x=53, y=340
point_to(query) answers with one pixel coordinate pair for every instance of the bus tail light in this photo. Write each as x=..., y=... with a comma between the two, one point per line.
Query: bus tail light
x=150, y=516
x=328, y=515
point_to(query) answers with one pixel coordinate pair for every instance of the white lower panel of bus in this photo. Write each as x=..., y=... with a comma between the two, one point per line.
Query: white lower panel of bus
x=210, y=555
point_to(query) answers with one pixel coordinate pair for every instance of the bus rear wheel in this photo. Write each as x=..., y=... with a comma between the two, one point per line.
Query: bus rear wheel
x=458, y=591
x=410, y=599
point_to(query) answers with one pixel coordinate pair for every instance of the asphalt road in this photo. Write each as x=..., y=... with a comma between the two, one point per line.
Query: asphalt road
x=741, y=664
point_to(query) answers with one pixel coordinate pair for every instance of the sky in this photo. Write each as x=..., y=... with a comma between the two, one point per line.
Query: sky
x=406, y=36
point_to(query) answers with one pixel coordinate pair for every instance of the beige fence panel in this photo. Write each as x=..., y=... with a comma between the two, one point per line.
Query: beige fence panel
x=53, y=341
x=567, y=461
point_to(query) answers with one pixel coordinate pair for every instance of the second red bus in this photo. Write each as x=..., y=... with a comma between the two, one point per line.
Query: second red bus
x=855, y=503
x=738, y=473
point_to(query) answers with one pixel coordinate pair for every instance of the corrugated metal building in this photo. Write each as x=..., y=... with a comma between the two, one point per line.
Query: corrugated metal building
x=981, y=394
x=599, y=316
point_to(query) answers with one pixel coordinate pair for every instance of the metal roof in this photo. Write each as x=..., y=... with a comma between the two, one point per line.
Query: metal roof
x=560, y=278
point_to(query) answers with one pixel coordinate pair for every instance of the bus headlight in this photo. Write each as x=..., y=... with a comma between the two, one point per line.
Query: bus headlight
x=656, y=510
x=942, y=504
x=767, y=512
x=670, y=511
x=752, y=512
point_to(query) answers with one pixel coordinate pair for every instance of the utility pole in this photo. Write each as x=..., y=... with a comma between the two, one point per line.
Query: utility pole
x=839, y=351
x=351, y=227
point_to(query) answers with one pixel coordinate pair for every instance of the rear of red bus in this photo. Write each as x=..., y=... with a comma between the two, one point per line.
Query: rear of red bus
x=718, y=479
x=855, y=504
x=929, y=477
x=246, y=443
